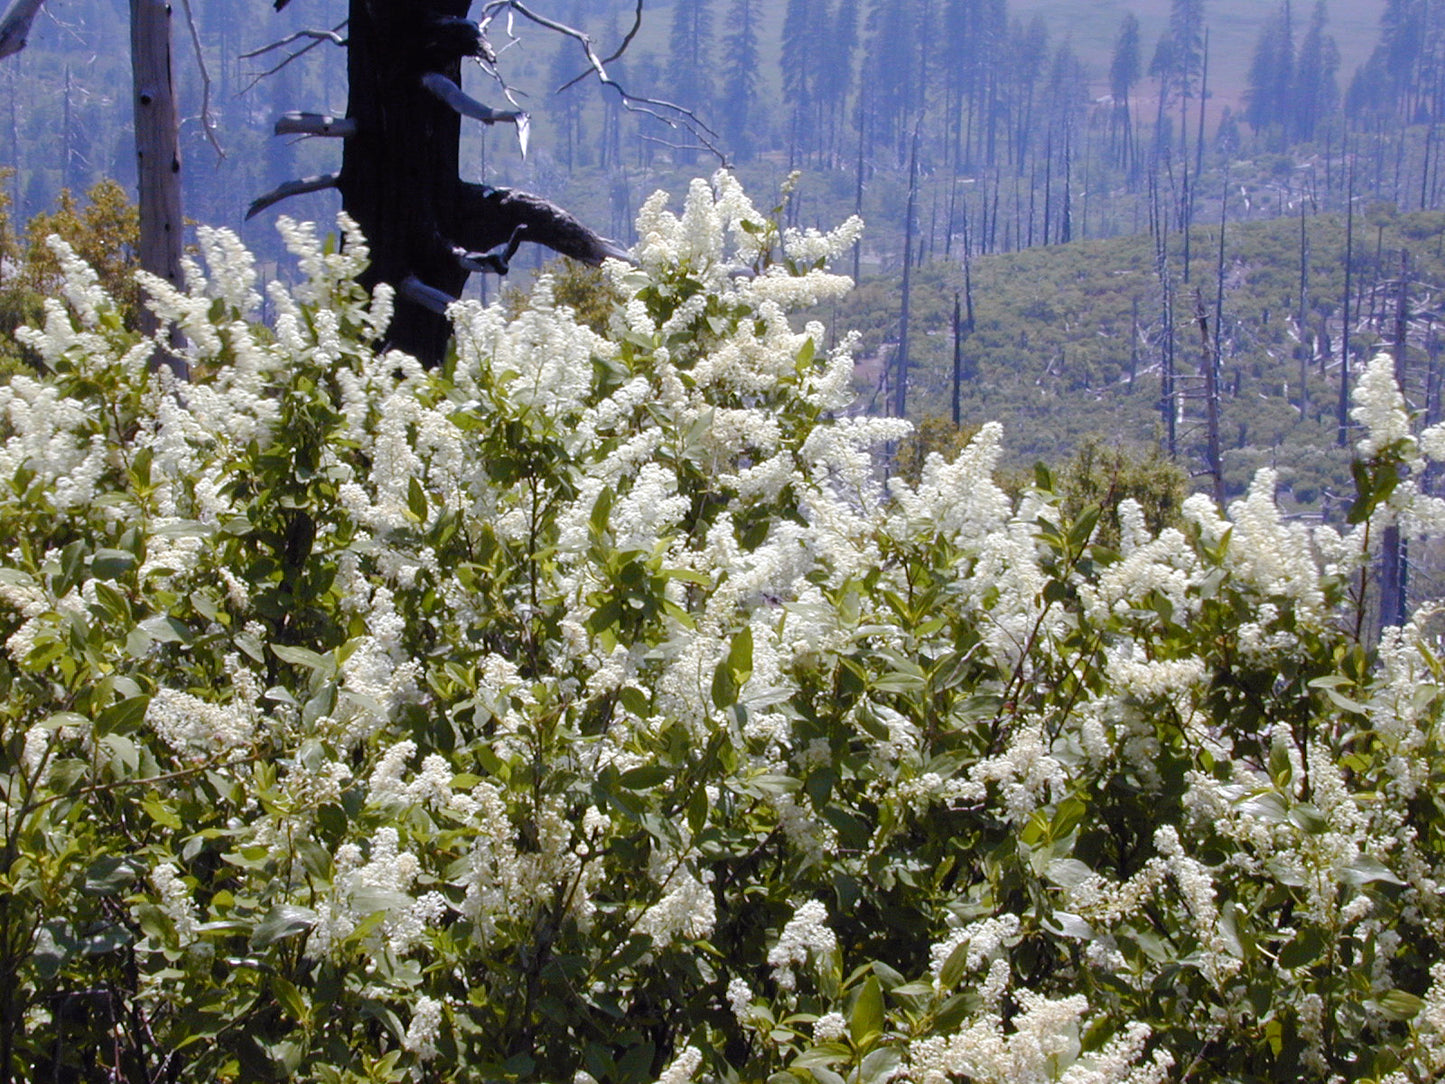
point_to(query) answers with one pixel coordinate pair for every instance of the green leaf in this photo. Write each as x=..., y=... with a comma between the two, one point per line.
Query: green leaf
x=110, y=564
x=1398, y=1005
x=732, y=672
x=1067, y=817
x=1280, y=768
x=1307, y=947
x=1064, y=924
x=805, y=355
x=954, y=967
x=1367, y=871
x=1067, y=872
x=416, y=501
x=1309, y=819
x=866, y=1020
x=126, y=714
x=51, y=953
x=697, y=810
x=1268, y=806
x=112, y=874
x=124, y=755
x=824, y=1054
x=645, y=777
x=635, y=701
x=953, y=1012
x=110, y=939
x=724, y=688
x=290, y=999
x=601, y=510
x=372, y=899
x=165, y=629
x=880, y=1065
x=282, y=921
x=769, y=783
x=1083, y=528
x=300, y=656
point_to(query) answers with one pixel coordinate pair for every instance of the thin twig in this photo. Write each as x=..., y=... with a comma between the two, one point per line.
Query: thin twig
x=208, y=122
x=669, y=113
x=317, y=36
x=626, y=41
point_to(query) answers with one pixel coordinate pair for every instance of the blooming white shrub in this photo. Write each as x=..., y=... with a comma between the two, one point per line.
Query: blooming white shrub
x=589, y=709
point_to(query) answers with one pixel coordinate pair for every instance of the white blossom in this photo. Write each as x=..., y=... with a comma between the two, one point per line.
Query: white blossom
x=804, y=936
x=425, y=1028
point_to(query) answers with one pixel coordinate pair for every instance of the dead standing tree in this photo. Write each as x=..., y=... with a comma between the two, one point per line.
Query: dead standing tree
x=157, y=142
x=428, y=229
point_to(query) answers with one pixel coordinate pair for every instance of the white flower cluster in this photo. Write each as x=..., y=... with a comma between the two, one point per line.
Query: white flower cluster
x=432, y=785
x=195, y=727
x=425, y=1028
x=671, y=495
x=805, y=936
x=683, y=1068
x=365, y=886
x=175, y=902
x=1043, y=1045
x=1379, y=407
x=686, y=909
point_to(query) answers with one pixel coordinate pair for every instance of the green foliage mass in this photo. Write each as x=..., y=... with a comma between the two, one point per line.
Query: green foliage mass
x=103, y=232
x=586, y=710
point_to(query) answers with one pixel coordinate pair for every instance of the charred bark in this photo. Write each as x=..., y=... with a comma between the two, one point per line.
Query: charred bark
x=428, y=229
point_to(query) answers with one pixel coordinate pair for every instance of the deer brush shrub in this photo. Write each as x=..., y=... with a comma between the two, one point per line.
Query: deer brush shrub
x=589, y=710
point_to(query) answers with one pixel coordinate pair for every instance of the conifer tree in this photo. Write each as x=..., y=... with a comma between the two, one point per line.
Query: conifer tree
x=1186, y=30
x=690, y=54
x=740, y=74
x=1124, y=72
x=891, y=70
x=1316, y=92
x=834, y=75
x=1270, y=92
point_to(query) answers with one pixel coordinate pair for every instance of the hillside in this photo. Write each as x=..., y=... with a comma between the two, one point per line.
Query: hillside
x=1068, y=342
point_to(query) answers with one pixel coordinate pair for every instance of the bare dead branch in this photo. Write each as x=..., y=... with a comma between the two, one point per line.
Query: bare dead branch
x=482, y=218
x=463, y=104
x=316, y=36
x=428, y=297
x=617, y=55
x=208, y=122
x=315, y=124
x=288, y=189
x=669, y=113
x=497, y=264
x=15, y=25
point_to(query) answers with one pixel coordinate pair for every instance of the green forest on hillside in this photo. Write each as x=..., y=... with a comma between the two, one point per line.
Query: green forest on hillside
x=1064, y=345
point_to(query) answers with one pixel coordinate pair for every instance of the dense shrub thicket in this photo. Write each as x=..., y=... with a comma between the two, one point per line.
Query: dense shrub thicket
x=590, y=710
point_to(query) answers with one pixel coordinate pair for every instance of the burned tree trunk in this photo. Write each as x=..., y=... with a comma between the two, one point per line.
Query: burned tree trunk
x=158, y=156
x=427, y=228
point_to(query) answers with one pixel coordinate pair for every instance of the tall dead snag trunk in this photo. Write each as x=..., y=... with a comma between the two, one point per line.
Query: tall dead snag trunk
x=428, y=229
x=158, y=155
x=1342, y=407
x=900, y=388
x=1392, y=545
x=157, y=143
